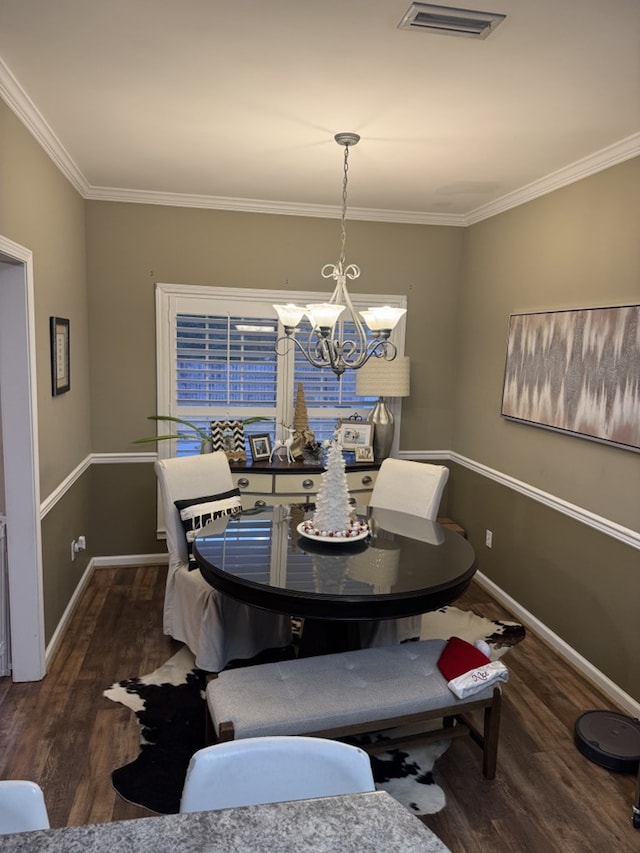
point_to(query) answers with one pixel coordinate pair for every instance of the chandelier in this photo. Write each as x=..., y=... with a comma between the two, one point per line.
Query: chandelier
x=323, y=347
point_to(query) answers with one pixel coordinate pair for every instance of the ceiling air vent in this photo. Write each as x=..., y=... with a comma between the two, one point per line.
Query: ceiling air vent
x=447, y=21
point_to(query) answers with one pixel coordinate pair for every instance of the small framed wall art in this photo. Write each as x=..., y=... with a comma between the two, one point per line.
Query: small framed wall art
x=260, y=446
x=60, y=361
x=353, y=434
x=229, y=436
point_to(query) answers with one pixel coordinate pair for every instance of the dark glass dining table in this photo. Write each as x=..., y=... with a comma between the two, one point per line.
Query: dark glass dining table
x=405, y=566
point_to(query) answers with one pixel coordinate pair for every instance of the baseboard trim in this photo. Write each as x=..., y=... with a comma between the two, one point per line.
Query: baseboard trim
x=584, y=516
x=120, y=458
x=132, y=560
x=567, y=652
x=54, y=642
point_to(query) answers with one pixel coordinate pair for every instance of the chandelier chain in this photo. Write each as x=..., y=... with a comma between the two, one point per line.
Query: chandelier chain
x=343, y=224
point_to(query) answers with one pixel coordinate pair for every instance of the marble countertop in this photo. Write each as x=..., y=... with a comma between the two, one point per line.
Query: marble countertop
x=356, y=822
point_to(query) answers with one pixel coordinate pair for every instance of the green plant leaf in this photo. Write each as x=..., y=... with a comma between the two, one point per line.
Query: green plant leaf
x=151, y=438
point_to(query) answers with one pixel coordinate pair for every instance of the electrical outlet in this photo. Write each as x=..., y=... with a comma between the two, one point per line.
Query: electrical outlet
x=78, y=545
x=488, y=538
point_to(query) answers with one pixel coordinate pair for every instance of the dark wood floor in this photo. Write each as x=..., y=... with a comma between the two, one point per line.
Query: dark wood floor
x=65, y=735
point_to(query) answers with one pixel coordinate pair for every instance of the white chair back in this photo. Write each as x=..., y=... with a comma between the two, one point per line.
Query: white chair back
x=412, y=487
x=188, y=477
x=273, y=769
x=22, y=807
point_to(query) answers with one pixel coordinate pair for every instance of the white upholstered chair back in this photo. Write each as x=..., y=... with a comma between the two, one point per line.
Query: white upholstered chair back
x=412, y=487
x=258, y=770
x=22, y=807
x=188, y=477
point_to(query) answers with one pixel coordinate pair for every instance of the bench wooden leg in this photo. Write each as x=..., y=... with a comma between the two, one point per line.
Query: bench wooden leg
x=226, y=732
x=491, y=735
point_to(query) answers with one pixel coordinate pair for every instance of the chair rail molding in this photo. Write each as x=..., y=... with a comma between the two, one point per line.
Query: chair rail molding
x=584, y=516
x=60, y=491
x=92, y=459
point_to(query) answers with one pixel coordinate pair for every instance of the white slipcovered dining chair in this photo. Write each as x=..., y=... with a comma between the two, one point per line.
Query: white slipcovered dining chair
x=414, y=488
x=275, y=769
x=214, y=626
x=22, y=807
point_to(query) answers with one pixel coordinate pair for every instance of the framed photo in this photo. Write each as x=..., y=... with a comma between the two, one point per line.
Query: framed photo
x=60, y=363
x=364, y=454
x=260, y=446
x=229, y=437
x=354, y=434
x=576, y=371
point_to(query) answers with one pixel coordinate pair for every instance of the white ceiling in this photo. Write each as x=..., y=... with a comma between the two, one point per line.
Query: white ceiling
x=235, y=102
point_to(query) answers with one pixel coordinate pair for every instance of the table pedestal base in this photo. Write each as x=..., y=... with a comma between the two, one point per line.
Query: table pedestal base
x=326, y=637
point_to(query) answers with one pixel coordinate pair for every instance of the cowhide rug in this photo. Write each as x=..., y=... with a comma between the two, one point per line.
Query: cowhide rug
x=169, y=705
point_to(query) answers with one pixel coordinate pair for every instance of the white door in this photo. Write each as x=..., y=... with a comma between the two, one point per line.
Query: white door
x=18, y=410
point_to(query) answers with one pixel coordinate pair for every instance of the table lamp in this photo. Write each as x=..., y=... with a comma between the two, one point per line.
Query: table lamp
x=383, y=379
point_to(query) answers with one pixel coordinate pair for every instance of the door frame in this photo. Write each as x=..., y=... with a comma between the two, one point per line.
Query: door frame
x=19, y=412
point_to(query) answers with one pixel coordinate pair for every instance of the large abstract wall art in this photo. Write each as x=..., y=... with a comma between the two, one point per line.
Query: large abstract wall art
x=577, y=371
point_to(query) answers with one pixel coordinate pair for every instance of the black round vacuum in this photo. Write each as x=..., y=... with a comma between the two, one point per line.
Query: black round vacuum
x=609, y=739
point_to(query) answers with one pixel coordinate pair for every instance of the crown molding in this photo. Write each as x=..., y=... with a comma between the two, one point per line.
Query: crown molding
x=15, y=96
x=620, y=151
x=282, y=208
x=17, y=99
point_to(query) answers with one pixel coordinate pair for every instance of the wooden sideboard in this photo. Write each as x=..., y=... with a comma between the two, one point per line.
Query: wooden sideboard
x=280, y=482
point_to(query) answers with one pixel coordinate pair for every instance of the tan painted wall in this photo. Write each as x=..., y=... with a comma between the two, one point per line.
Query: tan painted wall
x=130, y=247
x=580, y=583
x=576, y=247
x=41, y=211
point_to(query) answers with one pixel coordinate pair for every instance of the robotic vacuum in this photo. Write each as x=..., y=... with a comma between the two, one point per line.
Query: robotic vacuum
x=609, y=739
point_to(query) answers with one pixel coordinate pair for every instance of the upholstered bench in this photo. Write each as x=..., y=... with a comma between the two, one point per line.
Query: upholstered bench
x=353, y=693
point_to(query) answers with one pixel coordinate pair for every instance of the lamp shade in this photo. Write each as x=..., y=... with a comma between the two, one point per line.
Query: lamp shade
x=380, y=378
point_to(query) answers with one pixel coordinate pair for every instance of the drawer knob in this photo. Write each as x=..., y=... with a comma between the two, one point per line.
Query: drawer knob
x=366, y=481
x=243, y=482
x=307, y=484
x=260, y=503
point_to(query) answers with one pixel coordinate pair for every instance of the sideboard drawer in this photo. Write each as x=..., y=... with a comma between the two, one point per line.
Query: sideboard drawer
x=297, y=484
x=361, y=481
x=251, y=483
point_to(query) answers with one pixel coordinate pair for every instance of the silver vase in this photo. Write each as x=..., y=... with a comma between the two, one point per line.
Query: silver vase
x=382, y=419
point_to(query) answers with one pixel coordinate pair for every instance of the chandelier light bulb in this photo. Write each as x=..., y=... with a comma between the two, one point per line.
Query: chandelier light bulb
x=290, y=315
x=383, y=317
x=324, y=315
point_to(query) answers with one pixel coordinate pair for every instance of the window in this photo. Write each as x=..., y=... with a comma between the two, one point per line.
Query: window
x=216, y=359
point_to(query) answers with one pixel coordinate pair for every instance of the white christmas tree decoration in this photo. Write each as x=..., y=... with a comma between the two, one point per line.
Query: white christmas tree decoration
x=333, y=515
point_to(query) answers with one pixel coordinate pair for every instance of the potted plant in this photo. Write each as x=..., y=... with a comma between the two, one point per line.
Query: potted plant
x=199, y=434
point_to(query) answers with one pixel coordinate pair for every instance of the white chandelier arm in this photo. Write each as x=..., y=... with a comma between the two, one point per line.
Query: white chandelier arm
x=325, y=352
